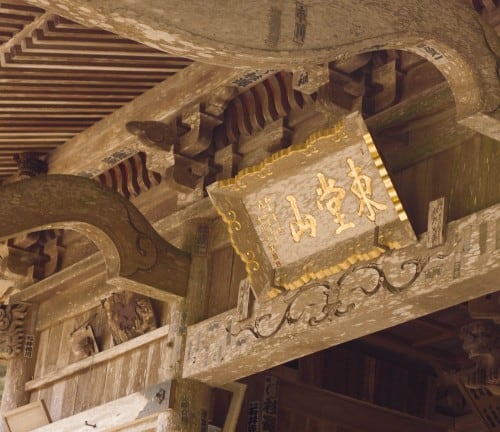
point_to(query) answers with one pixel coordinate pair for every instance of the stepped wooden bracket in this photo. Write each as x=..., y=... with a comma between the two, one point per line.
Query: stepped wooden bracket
x=157, y=140
x=309, y=79
x=137, y=257
x=199, y=136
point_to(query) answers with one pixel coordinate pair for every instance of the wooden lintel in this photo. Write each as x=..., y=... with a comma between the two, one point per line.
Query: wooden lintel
x=108, y=142
x=368, y=297
x=116, y=415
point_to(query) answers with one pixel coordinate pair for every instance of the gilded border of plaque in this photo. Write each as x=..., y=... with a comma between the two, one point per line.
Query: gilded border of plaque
x=312, y=210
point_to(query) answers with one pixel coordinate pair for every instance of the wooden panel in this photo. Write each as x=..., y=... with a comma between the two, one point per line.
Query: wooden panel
x=102, y=357
x=220, y=281
x=348, y=412
x=468, y=175
x=116, y=414
x=27, y=417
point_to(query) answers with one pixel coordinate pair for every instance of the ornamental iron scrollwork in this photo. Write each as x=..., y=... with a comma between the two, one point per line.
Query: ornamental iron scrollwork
x=12, y=331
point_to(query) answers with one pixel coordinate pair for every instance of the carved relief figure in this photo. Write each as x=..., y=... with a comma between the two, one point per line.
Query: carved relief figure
x=12, y=330
x=481, y=341
x=129, y=315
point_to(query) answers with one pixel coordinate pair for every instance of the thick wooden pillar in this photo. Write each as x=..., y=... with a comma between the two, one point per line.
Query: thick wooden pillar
x=192, y=399
x=19, y=371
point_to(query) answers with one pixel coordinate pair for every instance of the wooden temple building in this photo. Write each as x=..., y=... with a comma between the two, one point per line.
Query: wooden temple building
x=250, y=216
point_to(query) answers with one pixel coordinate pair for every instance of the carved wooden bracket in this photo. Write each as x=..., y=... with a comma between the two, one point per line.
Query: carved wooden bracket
x=157, y=140
x=12, y=330
x=129, y=315
x=137, y=257
x=30, y=164
x=199, y=137
x=481, y=341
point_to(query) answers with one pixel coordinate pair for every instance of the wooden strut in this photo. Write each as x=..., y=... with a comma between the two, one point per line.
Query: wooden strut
x=137, y=258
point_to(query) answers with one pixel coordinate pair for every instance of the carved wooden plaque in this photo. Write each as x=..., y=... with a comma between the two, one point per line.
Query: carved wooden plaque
x=312, y=210
x=129, y=315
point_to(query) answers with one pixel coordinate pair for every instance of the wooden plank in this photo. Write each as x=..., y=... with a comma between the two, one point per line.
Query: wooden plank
x=238, y=390
x=69, y=396
x=348, y=412
x=27, y=417
x=279, y=331
x=101, y=357
x=220, y=281
x=153, y=363
x=115, y=414
x=114, y=371
x=63, y=356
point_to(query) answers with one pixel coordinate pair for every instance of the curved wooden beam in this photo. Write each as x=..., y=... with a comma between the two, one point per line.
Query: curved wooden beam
x=137, y=257
x=266, y=34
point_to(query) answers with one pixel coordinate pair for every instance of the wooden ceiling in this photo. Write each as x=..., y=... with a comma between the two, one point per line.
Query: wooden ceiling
x=57, y=78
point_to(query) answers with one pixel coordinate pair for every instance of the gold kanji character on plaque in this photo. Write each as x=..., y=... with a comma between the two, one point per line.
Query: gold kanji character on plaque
x=301, y=225
x=333, y=197
x=362, y=188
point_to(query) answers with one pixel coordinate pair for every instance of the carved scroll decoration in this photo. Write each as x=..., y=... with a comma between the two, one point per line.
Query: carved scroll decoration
x=12, y=330
x=332, y=304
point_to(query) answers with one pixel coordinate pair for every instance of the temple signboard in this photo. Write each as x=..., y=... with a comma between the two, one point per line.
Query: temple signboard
x=312, y=210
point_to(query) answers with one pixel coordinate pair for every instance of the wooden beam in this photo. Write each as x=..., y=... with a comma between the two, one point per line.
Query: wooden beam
x=108, y=142
x=348, y=412
x=398, y=287
x=135, y=409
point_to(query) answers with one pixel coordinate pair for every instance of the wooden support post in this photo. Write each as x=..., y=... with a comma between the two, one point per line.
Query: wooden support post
x=19, y=371
x=192, y=399
x=368, y=297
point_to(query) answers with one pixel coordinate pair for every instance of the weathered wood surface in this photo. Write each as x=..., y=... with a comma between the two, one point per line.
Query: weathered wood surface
x=116, y=414
x=191, y=399
x=445, y=32
x=398, y=287
x=19, y=371
x=108, y=142
x=113, y=373
x=136, y=256
x=81, y=286
x=102, y=357
x=349, y=413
